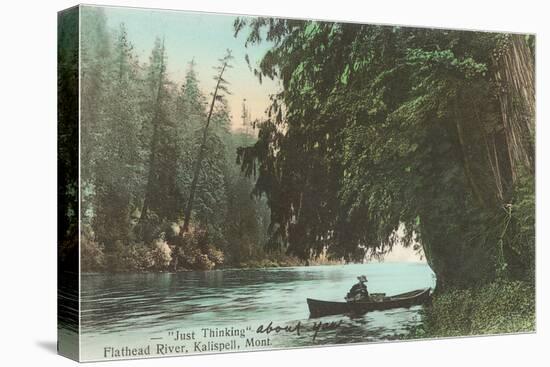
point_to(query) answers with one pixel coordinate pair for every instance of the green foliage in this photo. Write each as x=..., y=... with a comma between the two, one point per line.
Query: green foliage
x=519, y=238
x=140, y=138
x=91, y=253
x=498, y=307
x=378, y=127
x=130, y=258
x=194, y=251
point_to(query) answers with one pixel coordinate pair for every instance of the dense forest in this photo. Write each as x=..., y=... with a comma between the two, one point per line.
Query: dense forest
x=160, y=186
x=375, y=128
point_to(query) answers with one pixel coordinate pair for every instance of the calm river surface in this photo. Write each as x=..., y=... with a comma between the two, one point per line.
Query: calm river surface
x=134, y=309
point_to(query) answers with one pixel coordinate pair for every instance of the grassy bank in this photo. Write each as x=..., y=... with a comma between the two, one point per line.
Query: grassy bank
x=499, y=307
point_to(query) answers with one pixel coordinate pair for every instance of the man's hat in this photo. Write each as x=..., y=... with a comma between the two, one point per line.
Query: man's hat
x=362, y=278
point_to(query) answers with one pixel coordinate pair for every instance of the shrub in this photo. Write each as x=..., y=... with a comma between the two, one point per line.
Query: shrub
x=161, y=254
x=92, y=257
x=498, y=307
x=129, y=258
x=193, y=250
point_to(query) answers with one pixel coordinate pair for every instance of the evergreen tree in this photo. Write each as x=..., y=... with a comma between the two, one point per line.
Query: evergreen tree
x=117, y=171
x=217, y=95
x=160, y=192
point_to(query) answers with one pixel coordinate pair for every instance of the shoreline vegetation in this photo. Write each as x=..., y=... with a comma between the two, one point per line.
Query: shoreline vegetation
x=158, y=259
x=174, y=252
x=500, y=307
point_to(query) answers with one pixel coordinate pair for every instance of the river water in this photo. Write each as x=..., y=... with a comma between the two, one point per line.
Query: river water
x=135, y=310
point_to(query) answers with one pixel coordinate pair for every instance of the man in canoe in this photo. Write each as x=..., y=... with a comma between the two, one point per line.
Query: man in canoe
x=358, y=291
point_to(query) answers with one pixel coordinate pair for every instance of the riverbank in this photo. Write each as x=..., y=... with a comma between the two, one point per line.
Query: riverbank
x=283, y=261
x=496, y=308
x=192, y=252
x=289, y=262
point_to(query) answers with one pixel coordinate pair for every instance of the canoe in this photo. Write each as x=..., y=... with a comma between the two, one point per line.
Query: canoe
x=318, y=308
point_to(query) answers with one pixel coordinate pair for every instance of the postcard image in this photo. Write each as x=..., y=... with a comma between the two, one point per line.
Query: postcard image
x=234, y=183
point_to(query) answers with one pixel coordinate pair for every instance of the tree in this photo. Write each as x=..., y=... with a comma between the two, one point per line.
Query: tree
x=117, y=171
x=160, y=191
x=514, y=74
x=377, y=127
x=95, y=52
x=221, y=87
x=191, y=117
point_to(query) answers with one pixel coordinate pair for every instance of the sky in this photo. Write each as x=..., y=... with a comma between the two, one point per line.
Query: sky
x=399, y=253
x=204, y=38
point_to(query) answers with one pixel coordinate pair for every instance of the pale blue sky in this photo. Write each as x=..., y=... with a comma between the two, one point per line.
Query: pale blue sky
x=204, y=37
